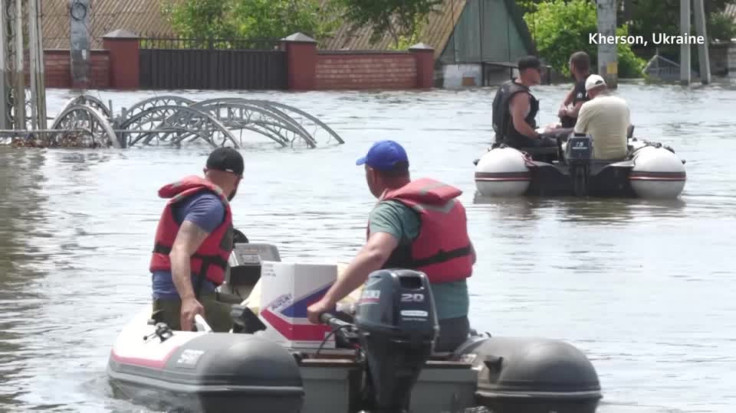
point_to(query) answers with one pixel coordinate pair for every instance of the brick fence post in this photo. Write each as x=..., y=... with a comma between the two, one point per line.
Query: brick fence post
x=424, y=57
x=124, y=59
x=301, y=61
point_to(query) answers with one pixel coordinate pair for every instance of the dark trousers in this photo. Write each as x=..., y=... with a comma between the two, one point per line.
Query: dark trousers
x=453, y=333
x=216, y=313
x=519, y=142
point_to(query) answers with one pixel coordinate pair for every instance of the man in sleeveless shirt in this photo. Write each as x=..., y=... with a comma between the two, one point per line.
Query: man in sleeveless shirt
x=416, y=224
x=515, y=109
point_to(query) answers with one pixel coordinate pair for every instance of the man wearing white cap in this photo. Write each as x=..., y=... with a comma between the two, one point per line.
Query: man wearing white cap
x=606, y=118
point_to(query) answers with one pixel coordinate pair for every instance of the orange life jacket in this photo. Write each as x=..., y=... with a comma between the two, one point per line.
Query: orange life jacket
x=442, y=249
x=211, y=259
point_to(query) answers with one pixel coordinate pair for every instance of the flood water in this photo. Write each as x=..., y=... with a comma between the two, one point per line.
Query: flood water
x=645, y=289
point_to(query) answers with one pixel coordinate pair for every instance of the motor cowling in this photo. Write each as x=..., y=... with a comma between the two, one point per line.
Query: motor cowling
x=397, y=323
x=578, y=154
x=579, y=149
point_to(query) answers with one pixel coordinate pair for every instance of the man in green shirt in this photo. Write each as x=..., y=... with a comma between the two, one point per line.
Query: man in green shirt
x=417, y=225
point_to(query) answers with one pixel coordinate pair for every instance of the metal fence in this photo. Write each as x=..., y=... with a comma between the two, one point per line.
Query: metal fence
x=184, y=63
x=178, y=43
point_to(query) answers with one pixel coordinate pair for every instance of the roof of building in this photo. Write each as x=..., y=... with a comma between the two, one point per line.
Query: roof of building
x=145, y=17
x=436, y=32
x=137, y=16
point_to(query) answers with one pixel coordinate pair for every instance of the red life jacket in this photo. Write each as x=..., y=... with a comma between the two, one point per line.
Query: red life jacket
x=442, y=249
x=211, y=259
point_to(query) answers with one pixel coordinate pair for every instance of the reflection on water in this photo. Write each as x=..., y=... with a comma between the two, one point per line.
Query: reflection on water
x=20, y=181
x=645, y=288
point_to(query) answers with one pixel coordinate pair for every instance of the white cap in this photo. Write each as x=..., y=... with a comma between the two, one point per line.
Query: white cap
x=594, y=81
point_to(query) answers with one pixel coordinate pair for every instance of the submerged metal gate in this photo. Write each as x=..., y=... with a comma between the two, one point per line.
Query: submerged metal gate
x=211, y=64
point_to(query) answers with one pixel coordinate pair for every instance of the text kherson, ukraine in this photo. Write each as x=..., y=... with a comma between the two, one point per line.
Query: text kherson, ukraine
x=656, y=39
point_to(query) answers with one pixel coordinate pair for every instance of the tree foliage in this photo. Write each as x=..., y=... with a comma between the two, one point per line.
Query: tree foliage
x=199, y=18
x=645, y=17
x=561, y=28
x=251, y=18
x=401, y=19
x=721, y=27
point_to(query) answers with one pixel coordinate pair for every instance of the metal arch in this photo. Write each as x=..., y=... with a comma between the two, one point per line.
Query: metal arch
x=279, y=108
x=179, y=122
x=306, y=115
x=275, y=128
x=95, y=103
x=273, y=118
x=166, y=100
x=90, y=101
x=89, y=119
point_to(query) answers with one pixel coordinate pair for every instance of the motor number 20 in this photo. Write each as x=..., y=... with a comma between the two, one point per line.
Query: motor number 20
x=412, y=298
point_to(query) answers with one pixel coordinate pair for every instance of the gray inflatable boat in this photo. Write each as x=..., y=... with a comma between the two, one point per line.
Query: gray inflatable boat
x=384, y=361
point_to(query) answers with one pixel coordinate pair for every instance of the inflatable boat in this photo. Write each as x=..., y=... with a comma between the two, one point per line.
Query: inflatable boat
x=382, y=361
x=650, y=170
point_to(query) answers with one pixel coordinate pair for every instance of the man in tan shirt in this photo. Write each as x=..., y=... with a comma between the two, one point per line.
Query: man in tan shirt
x=606, y=118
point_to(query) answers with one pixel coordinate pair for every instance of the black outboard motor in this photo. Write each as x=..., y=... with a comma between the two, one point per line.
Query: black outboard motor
x=578, y=155
x=397, y=323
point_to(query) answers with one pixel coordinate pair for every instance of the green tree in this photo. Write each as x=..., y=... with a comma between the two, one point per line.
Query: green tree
x=199, y=18
x=561, y=28
x=280, y=18
x=252, y=19
x=721, y=27
x=401, y=19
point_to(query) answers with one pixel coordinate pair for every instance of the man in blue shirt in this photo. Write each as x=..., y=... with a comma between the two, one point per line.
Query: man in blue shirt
x=193, y=242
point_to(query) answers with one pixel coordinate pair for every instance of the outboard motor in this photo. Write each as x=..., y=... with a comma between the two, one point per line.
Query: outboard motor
x=578, y=155
x=397, y=324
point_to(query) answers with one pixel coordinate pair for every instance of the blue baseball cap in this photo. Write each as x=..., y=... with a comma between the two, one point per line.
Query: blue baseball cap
x=384, y=155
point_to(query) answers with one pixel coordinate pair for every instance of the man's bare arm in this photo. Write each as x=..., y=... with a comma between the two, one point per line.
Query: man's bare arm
x=519, y=107
x=568, y=99
x=371, y=257
x=573, y=113
x=188, y=241
x=583, y=118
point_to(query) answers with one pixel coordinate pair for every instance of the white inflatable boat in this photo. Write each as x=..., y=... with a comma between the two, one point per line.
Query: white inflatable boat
x=650, y=170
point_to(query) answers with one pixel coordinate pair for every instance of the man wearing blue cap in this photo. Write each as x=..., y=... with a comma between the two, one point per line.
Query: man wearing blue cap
x=418, y=225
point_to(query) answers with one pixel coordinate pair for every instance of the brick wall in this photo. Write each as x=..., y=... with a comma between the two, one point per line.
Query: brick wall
x=356, y=70
x=59, y=74
x=58, y=68
x=99, y=71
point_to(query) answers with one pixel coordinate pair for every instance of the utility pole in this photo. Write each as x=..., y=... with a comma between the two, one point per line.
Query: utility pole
x=701, y=30
x=685, y=61
x=19, y=89
x=5, y=122
x=38, y=86
x=607, y=53
x=79, y=42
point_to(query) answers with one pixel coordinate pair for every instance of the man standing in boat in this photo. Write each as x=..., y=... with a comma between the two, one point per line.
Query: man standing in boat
x=580, y=69
x=418, y=225
x=515, y=109
x=606, y=118
x=194, y=240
